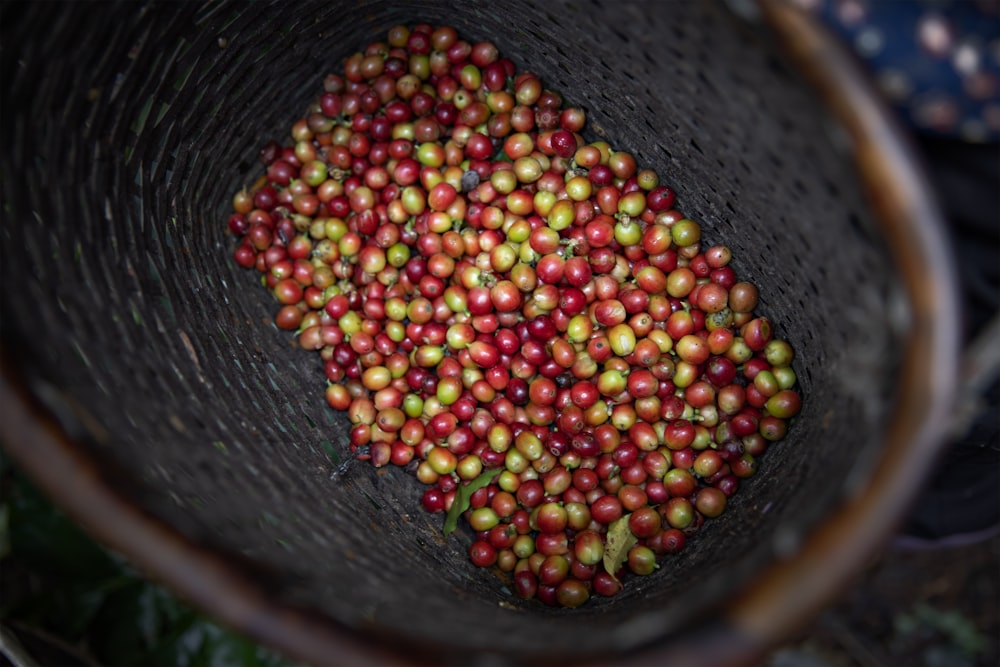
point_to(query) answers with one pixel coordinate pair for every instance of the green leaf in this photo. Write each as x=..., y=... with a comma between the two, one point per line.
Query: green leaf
x=620, y=539
x=226, y=649
x=52, y=542
x=463, y=496
x=72, y=588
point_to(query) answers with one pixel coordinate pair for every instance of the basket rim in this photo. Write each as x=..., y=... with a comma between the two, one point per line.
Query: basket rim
x=908, y=213
x=773, y=607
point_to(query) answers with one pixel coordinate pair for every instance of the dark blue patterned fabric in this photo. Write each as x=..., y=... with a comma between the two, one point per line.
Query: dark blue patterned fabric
x=937, y=61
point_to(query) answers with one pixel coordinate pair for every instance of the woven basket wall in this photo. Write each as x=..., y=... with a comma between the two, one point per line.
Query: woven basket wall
x=128, y=127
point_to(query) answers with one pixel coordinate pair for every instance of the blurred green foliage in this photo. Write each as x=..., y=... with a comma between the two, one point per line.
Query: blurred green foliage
x=952, y=638
x=69, y=601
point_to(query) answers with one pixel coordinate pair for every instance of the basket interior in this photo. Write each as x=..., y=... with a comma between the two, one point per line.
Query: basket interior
x=129, y=127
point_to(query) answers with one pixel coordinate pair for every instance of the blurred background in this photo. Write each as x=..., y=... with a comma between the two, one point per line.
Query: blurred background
x=932, y=598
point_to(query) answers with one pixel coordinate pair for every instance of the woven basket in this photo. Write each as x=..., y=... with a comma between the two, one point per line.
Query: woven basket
x=145, y=388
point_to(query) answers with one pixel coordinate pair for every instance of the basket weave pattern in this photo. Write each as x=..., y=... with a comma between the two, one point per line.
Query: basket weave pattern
x=128, y=128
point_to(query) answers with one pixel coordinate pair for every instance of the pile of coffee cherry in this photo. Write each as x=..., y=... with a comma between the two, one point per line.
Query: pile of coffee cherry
x=520, y=317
